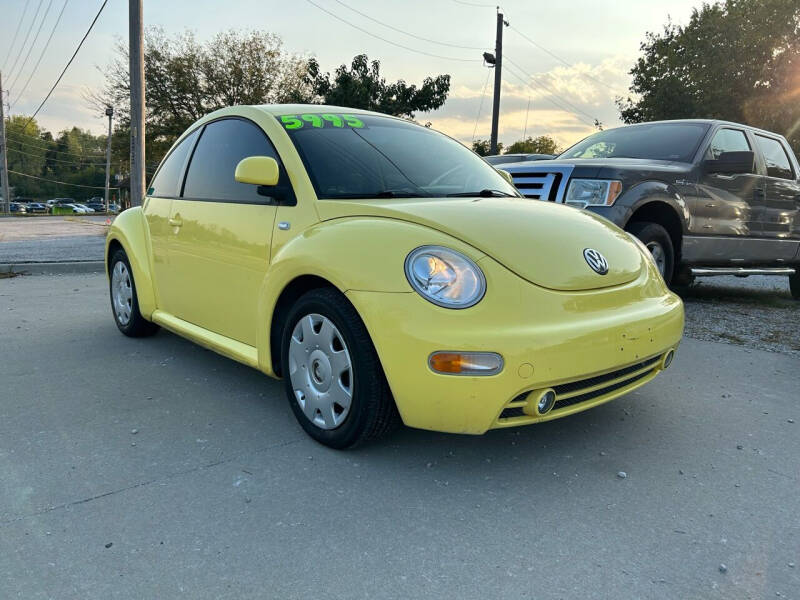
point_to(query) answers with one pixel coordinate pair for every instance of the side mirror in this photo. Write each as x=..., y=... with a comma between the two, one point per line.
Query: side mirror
x=506, y=175
x=730, y=163
x=258, y=170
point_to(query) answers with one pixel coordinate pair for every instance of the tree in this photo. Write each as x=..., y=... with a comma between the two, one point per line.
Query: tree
x=543, y=144
x=735, y=59
x=483, y=147
x=361, y=86
x=186, y=79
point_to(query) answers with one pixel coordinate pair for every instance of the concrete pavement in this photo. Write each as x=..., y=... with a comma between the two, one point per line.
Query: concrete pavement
x=155, y=469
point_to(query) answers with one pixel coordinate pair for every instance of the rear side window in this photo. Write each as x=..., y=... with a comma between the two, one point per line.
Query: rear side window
x=167, y=182
x=222, y=145
x=778, y=164
x=727, y=140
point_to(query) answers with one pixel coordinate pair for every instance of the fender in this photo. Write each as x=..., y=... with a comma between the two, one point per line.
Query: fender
x=129, y=229
x=654, y=191
x=347, y=266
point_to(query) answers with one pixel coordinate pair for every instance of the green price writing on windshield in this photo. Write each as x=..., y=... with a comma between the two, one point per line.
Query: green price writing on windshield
x=319, y=121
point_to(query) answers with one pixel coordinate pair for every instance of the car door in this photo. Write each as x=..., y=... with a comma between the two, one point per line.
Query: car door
x=164, y=188
x=221, y=231
x=781, y=220
x=728, y=207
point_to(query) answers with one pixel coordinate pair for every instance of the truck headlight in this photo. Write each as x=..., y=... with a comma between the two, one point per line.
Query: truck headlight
x=445, y=277
x=592, y=192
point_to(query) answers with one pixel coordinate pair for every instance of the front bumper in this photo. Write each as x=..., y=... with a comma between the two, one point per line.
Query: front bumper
x=591, y=347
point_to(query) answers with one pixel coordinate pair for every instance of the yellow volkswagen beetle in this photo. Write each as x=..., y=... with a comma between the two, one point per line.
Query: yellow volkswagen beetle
x=385, y=272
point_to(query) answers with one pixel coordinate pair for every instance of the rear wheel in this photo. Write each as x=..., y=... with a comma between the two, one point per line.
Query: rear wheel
x=658, y=242
x=124, y=302
x=794, y=284
x=333, y=376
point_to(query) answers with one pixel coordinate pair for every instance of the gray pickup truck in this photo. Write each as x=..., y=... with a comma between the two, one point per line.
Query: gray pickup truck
x=706, y=197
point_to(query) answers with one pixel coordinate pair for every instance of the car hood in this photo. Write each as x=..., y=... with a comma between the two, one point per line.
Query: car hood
x=541, y=242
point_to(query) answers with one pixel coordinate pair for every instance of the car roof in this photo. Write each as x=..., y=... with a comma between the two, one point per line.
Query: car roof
x=710, y=122
x=288, y=109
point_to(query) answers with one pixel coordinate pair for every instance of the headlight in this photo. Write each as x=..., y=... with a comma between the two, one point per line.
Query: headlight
x=592, y=192
x=445, y=277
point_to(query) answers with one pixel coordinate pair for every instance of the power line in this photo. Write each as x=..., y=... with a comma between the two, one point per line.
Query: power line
x=68, y=162
x=383, y=39
x=93, y=187
x=16, y=33
x=578, y=114
x=476, y=4
x=14, y=139
x=41, y=55
x=74, y=54
x=419, y=37
x=33, y=44
x=567, y=102
x=480, y=106
x=562, y=60
x=27, y=35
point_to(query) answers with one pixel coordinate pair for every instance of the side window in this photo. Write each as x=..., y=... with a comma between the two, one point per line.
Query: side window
x=167, y=181
x=727, y=140
x=222, y=145
x=778, y=164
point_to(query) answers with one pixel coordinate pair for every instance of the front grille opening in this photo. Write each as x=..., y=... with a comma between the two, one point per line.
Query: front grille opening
x=597, y=393
x=574, y=386
x=510, y=413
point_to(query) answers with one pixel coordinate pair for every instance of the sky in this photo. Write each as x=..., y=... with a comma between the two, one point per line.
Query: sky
x=585, y=50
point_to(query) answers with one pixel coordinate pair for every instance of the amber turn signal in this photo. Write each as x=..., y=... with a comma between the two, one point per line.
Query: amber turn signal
x=466, y=363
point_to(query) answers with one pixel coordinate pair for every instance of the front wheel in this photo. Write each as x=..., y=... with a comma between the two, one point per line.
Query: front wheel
x=124, y=301
x=658, y=242
x=794, y=284
x=334, y=380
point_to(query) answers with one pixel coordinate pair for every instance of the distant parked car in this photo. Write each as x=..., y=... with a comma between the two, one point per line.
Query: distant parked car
x=96, y=206
x=502, y=159
x=36, y=207
x=84, y=207
x=16, y=207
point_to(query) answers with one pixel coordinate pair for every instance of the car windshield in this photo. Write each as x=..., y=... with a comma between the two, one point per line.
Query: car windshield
x=654, y=141
x=367, y=156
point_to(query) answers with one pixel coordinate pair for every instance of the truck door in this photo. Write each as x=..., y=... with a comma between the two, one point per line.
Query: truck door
x=781, y=217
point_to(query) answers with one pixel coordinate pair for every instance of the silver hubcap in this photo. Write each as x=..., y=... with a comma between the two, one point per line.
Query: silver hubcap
x=320, y=371
x=121, y=292
x=657, y=250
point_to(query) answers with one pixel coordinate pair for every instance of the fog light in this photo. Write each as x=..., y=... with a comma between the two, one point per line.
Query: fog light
x=546, y=401
x=667, y=361
x=466, y=363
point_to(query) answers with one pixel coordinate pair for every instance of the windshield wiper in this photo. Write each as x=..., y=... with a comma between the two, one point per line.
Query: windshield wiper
x=482, y=194
x=381, y=194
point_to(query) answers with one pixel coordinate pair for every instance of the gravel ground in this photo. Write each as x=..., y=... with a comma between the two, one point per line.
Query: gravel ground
x=52, y=239
x=756, y=312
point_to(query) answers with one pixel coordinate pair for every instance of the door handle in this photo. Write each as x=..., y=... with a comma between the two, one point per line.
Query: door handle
x=175, y=222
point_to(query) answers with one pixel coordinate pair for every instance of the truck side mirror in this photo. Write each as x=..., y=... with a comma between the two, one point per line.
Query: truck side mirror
x=730, y=163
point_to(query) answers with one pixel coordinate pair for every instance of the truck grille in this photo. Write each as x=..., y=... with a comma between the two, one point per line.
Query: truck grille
x=540, y=183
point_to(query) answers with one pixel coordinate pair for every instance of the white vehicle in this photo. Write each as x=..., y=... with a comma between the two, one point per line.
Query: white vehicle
x=85, y=208
x=77, y=209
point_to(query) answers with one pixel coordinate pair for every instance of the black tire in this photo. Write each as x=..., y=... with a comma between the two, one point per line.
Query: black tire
x=794, y=284
x=136, y=325
x=372, y=412
x=653, y=233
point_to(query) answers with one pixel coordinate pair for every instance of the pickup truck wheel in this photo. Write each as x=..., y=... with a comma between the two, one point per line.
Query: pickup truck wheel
x=124, y=302
x=334, y=380
x=657, y=240
x=794, y=284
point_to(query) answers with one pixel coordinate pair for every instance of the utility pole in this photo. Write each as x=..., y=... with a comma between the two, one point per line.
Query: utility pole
x=6, y=206
x=109, y=114
x=136, y=52
x=498, y=64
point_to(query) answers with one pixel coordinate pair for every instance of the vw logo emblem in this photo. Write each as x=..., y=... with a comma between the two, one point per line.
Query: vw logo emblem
x=596, y=260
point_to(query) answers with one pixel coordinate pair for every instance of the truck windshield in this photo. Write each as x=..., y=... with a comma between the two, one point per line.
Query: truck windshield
x=367, y=156
x=654, y=141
